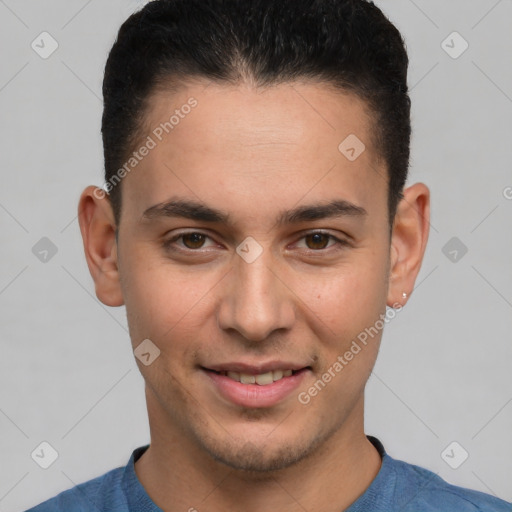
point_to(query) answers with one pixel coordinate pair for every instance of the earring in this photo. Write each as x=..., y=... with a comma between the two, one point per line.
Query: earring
x=404, y=295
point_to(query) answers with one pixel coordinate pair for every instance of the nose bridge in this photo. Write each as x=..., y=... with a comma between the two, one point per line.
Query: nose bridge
x=256, y=301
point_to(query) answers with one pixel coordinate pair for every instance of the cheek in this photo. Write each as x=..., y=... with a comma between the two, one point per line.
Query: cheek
x=346, y=299
x=148, y=299
x=162, y=303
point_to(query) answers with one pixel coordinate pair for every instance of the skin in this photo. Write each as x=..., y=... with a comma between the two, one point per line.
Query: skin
x=254, y=153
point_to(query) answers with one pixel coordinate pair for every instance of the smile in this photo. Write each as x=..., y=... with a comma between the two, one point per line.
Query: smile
x=255, y=388
x=263, y=379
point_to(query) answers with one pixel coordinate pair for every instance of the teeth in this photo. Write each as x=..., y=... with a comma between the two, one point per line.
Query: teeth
x=263, y=379
x=234, y=375
x=247, y=379
x=277, y=374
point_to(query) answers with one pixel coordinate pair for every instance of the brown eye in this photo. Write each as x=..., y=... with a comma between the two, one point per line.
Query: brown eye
x=317, y=240
x=193, y=240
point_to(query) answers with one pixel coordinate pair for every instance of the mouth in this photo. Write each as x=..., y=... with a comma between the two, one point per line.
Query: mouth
x=255, y=387
x=261, y=379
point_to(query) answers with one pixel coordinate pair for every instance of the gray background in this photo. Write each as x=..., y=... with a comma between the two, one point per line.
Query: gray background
x=67, y=374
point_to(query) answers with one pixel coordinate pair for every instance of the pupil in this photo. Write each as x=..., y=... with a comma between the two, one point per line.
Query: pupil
x=317, y=239
x=196, y=239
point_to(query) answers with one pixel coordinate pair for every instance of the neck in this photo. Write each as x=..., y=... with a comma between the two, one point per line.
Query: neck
x=178, y=475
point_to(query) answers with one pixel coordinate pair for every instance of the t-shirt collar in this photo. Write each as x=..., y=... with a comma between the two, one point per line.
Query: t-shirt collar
x=380, y=490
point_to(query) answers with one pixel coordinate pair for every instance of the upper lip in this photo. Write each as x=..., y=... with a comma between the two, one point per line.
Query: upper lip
x=255, y=369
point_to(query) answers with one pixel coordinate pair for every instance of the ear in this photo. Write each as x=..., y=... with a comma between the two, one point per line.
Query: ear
x=97, y=226
x=408, y=242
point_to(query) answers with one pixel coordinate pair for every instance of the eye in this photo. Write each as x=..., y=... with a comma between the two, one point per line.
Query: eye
x=317, y=241
x=192, y=240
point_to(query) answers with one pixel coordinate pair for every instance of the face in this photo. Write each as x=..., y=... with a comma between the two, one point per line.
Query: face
x=235, y=267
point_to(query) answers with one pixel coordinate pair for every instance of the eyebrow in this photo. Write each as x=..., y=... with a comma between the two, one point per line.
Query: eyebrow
x=197, y=211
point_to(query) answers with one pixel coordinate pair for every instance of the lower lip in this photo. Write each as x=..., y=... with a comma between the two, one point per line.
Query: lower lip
x=254, y=395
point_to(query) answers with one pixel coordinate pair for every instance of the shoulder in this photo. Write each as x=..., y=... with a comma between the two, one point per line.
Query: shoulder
x=420, y=489
x=101, y=493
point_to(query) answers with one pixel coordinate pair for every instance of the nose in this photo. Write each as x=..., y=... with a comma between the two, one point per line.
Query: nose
x=256, y=299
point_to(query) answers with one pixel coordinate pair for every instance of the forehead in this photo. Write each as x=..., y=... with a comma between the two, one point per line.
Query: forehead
x=301, y=113
x=220, y=144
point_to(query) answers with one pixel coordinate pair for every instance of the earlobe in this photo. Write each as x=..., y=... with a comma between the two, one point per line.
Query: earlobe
x=408, y=243
x=97, y=226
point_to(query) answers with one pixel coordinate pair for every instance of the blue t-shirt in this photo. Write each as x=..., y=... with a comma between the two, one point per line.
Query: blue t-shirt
x=398, y=487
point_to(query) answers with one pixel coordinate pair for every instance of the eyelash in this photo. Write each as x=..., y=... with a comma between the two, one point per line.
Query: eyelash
x=168, y=244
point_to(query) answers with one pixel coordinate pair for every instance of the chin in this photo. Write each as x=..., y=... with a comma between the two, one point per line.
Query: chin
x=252, y=458
x=259, y=457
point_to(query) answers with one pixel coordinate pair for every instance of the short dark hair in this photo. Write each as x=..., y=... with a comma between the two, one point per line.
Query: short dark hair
x=349, y=44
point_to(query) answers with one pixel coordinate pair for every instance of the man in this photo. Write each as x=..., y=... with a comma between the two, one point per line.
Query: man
x=257, y=229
